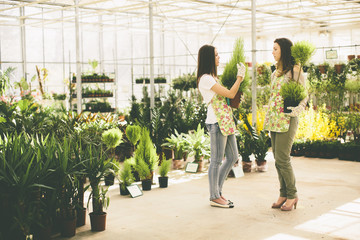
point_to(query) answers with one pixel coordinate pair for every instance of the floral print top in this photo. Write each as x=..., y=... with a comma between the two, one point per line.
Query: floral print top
x=275, y=119
x=223, y=114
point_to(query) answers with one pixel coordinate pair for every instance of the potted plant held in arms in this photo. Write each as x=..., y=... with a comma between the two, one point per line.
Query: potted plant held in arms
x=293, y=92
x=96, y=166
x=229, y=75
x=163, y=171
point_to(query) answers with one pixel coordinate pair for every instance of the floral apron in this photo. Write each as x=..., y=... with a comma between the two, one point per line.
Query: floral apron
x=224, y=115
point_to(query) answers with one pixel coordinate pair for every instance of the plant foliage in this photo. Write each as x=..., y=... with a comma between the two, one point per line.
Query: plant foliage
x=228, y=77
x=293, y=91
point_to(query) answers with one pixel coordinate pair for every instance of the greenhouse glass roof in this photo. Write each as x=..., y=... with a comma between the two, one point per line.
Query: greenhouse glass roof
x=231, y=17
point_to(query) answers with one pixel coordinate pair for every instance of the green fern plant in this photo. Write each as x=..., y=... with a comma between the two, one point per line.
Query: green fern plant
x=228, y=77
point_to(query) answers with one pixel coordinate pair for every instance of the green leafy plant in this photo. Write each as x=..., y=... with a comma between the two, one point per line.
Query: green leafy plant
x=292, y=93
x=96, y=165
x=125, y=175
x=198, y=143
x=5, y=79
x=94, y=64
x=112, y=138
x=302, y=51
x=228, y=77
x=264, y=75
x=261, y=146
x=176, y=142
x=143, y=169
x=145, y=153
x=164, y=168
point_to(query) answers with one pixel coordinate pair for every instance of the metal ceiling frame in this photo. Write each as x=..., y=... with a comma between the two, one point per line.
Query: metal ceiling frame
x=314, y=15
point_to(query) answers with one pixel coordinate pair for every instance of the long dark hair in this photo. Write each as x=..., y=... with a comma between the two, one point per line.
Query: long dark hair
x=206, y=62
x=286, y=59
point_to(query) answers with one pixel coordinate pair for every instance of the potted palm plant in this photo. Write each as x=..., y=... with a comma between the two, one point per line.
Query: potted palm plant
x=96, y=166
x=261, y=147
x=198, y=145
x=176, y=143
x=246, y=148
x=163, y=171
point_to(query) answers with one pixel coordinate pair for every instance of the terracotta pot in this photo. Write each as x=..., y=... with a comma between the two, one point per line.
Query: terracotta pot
x=235, y=102
x=351, y=57
x=201, y=165
x=80, y=217
x=98, y=221
x=177, y=164
x=261, y=166
x=339, y=68
x=246, y=166
x=68, y=227
x=322, y=69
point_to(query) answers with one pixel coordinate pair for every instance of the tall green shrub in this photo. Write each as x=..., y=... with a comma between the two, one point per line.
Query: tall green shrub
x=228, y=77
x=146, y=151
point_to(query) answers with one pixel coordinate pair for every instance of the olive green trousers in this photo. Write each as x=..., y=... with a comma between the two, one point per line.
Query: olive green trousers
x=281, y=143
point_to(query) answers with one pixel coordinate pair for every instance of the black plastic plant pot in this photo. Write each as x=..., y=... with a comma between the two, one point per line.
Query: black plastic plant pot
x=109, y=179
x=123, y=190
x=146, y=184
x=163, y=182
x=289, y=103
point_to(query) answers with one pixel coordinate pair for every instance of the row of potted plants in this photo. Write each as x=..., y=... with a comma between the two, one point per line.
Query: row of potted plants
x=147, y=80
x=327, y=149
x=98, y=106
x=196, y=143
x=93, y=78
x=88, y=92
x=42, y=180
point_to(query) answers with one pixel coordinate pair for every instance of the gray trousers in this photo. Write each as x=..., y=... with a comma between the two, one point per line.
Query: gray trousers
x=281, y=144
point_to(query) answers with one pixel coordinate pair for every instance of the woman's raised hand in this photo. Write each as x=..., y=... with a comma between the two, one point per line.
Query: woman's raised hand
x=241, y=70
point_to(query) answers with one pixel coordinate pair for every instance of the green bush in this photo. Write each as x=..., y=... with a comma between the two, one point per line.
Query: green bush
x=164, y=168
x=293, y=92
x=228, y=77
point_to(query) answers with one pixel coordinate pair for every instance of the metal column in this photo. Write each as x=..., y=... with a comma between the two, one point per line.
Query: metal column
x=116, y=69
x=23, y=42
x=151, y=34
x=78, y=63
x=253, y=45
x=101, y=45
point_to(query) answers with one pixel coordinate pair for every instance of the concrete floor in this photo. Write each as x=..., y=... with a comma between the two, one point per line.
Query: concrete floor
x=329, y=207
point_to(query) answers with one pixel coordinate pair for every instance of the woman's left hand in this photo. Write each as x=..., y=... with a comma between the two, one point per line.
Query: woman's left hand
x=295, y=111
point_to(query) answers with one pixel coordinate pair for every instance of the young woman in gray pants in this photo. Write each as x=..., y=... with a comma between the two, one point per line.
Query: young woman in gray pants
x=219, y=122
